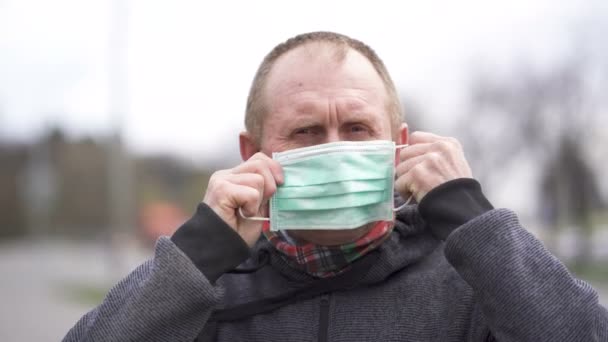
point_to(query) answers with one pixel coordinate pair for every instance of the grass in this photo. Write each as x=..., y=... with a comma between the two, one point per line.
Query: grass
x=593, y=271
x=84, y=293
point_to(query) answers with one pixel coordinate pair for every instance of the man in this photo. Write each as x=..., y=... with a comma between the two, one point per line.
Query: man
x=451, y=268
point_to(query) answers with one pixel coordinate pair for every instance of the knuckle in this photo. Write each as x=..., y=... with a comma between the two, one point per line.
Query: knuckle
x=246, y=197
x=256, y=165
x=258, y=180
x=221, y=186
x=260, y=157
x=435, y=158
x=252, y=195
x=442, y=145
x=418, y=171
x=257, y=162
x=215, y=178
x=454, y=142
x=276, y=165
x=271, y=187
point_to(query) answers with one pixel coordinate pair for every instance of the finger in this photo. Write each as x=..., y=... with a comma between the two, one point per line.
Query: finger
x=442, y=143
x=244, y=197
x=252, y=180
x=406, y=165
x=264, y=210
x=420, y=137
x=446, y=146
x=414, y=150
x=275, y=168
x=404, y=185
x=255, y=181
x=416, y=181
x=260, y=167
x=225, y=197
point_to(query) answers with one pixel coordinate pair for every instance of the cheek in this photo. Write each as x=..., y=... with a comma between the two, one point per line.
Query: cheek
x=270, y=145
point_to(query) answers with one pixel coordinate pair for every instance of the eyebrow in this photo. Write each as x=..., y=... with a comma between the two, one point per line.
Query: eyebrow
x=350, y=112
x=302, y=122
x=311, y=121
x=308, y=108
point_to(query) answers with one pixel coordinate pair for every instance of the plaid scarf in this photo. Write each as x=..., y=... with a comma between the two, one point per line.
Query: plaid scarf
x=327, y=261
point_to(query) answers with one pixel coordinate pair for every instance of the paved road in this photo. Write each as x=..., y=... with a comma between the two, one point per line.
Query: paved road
x=34, y=305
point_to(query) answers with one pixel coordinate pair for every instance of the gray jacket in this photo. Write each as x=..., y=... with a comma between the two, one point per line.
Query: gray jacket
x=441, y=276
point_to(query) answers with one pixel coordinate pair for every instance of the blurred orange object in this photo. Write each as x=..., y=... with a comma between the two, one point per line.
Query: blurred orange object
x=160, y=218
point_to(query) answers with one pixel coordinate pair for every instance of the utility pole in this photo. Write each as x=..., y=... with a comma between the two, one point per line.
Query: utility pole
x=120, y=170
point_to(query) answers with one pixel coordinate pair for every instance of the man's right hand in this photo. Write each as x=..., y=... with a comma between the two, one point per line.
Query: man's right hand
x=248, y=186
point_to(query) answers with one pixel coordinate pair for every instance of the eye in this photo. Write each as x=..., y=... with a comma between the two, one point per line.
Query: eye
x=308, y=131
x=302, y=131
x=357, y=128
x=357, y=131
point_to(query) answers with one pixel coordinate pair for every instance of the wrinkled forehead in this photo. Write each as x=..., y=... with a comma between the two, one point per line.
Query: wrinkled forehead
x=321, y=65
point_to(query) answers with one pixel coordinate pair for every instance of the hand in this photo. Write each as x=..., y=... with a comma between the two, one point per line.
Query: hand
x=247, y=186
x=429, y=161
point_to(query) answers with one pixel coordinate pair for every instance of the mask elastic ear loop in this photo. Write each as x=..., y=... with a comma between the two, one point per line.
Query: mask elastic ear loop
x=409, y=199
x=252, y=218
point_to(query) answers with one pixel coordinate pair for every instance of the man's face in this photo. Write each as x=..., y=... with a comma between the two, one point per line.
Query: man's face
x=313, y=99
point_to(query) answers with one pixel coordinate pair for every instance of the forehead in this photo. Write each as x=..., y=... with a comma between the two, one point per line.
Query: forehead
x=322, y=67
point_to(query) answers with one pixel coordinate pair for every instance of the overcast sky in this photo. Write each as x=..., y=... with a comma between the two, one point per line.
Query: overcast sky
x=190, y=63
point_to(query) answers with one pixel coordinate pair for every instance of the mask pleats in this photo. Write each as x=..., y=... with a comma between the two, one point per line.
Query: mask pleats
x=334, y=186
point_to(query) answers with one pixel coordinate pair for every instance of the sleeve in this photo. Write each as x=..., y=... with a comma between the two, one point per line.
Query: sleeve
x=170, y=297
x=525, y=293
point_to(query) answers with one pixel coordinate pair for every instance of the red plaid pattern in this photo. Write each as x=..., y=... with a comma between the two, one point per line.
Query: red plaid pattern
x=328, y=261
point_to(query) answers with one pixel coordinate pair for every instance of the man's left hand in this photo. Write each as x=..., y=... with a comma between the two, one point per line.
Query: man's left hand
x=429, y=161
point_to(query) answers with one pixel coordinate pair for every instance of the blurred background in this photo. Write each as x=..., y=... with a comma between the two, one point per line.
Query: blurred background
x=113, y=114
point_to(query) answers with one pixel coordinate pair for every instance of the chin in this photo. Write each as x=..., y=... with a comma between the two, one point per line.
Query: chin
x=329, y=237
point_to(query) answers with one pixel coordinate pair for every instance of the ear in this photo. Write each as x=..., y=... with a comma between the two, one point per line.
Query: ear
x=402, y=139
x=247, y=145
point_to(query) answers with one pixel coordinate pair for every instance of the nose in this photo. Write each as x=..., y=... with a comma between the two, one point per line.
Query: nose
x=333, y=135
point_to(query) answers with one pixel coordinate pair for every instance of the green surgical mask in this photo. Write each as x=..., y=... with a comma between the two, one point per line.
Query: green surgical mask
x=340, y=185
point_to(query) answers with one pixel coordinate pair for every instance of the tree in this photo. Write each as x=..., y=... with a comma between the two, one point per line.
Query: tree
x=543, y=117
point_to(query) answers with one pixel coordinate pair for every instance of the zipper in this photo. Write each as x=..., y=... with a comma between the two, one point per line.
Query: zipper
x=323, y=318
